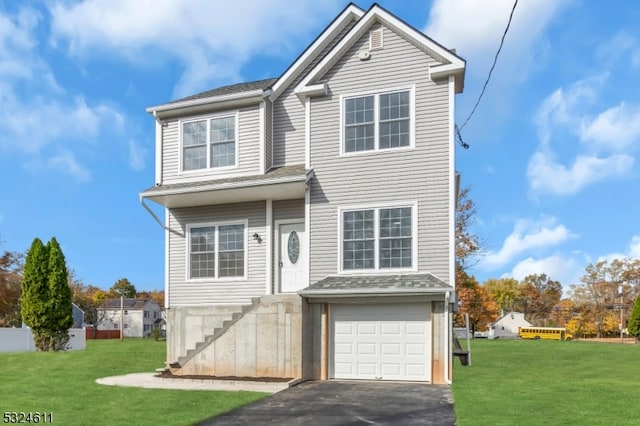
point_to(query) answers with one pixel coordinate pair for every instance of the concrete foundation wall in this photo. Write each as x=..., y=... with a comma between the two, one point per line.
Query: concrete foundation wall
x=264, y=342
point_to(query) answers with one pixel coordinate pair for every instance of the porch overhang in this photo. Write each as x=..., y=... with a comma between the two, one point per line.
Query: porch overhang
x=353, y=288
x=277, y=184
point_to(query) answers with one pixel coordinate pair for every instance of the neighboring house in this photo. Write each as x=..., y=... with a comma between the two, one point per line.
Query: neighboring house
x=309, y=219
x=78, y=316
x=506, y=327
x=140, y=316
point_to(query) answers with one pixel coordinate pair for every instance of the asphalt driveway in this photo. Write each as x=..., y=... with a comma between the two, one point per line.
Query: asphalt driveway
x=348, y=403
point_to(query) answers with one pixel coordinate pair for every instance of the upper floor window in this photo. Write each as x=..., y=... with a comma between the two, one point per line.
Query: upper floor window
x=377, y=121
x=209, y=143
x=217, y=251
x=378, y=238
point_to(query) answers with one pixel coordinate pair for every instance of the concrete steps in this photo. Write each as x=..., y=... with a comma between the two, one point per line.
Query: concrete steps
x=217, y=332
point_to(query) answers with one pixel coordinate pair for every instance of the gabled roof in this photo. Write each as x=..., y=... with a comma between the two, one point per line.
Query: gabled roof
x=128, y=303
x=365, y=285
x=349, y=14
x=450, y=63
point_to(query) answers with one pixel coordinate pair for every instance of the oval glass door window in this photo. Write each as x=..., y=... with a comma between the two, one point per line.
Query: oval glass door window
x=293, y=248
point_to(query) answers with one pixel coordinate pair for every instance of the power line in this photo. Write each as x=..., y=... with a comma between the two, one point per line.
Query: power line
x=484, y=87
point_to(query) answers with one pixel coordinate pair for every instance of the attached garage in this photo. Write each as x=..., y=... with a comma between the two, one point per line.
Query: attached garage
x=380, y=342
x=378, y=327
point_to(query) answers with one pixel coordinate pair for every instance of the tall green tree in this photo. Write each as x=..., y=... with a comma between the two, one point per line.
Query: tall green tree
x=633, y=327
x=60, y=303
x=123, y=287
x=34, y=288
x=46, y=296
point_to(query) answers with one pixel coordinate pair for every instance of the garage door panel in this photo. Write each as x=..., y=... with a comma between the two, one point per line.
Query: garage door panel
x=388, y=342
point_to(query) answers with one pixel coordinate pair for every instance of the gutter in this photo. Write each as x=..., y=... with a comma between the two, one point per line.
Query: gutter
x=258, y=93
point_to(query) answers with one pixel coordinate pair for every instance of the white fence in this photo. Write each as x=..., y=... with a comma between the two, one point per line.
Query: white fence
x=21, y=340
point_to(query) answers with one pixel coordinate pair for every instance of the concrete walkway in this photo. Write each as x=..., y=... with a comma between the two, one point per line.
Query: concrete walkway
x=150, y=381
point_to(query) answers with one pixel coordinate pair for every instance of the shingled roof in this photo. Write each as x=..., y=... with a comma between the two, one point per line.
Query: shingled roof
x=128, y=303
x=231, y=89
x=372, y=284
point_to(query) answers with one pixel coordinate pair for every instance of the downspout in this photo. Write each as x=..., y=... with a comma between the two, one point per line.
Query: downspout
x=159, y=135
x=447, y=333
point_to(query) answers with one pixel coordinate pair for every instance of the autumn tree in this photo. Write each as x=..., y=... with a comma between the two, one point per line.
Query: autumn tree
x=475, y=300
x=123, y=287
x=540, y=294
x=633, y=327
x=467, y=243
x=506, y=293
x=11, y=265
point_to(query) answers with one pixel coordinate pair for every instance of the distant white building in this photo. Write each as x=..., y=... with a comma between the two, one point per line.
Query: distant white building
x=506, y=327
x=140, y=316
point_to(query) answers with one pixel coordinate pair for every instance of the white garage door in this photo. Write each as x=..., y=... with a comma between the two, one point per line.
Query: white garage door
x=380, y=342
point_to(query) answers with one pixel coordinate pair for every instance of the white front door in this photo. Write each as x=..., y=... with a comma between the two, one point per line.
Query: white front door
x=293, y=260
x=380, y=342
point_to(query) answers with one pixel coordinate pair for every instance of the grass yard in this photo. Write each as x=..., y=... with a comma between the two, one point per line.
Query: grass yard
x=64, y=384
x=527, y=382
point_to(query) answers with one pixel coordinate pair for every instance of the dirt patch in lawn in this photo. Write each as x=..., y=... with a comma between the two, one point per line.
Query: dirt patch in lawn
x=168, y=375
x=626, y=340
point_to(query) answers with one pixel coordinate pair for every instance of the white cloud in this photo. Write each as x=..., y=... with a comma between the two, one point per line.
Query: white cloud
x=607, y=140
x=621, y=46
x=212, y=39
x=137, y=153
x=633, y=251
x=548, y=176
x=526, y=235
x=42, y=122
x=474, y=28
x=66, y=162
x=565, y=270
x=616, y=128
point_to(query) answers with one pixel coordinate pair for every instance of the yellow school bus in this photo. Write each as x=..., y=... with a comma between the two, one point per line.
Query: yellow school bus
x=547, y=333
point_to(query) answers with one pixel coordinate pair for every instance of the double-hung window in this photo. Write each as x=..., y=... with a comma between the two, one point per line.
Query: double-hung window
x=378, y=238
x=209, y=143
x=377, y=121
x=217, y=251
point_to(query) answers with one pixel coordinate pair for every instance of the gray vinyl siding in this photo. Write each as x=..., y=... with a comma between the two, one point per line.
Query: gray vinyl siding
x=409, y=175
x=268, y=134
x=289, y=116
x=216, y=292
x=248, y=140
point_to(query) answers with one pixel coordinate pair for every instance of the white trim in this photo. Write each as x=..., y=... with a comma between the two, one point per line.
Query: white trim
x=167, y=258
x=208, y=118
x=307, y=221
x=216, y=225
x=258, y=94
x=158, y=150
x=376, y=208
x=268, y=243
x=276, y=250
x=307, y=133
x=262, y=138
x=452, y=63
x=452, y=184
x=376, y=111
x=350, y=13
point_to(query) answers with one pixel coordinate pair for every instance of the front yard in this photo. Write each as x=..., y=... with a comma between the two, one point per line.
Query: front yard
x=64, y=384
x=526, y=382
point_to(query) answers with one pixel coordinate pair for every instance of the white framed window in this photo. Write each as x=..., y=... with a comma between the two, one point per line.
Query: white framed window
x=209, y=143
x=381, y=238
x=378, y=121
x=217, y=250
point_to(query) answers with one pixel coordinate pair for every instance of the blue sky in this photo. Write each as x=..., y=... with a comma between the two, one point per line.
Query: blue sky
x=552, y=162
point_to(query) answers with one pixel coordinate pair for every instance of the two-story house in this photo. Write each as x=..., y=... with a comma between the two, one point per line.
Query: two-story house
x=136, y=317
x=309, y=218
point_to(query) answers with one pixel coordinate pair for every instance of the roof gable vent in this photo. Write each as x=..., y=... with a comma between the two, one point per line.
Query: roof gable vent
x=376, y=39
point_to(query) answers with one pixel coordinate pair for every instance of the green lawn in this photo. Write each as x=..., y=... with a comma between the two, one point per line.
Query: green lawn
x=526, y=382
x=64, y=384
